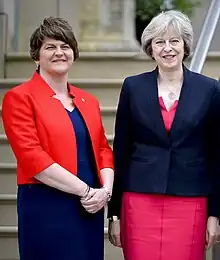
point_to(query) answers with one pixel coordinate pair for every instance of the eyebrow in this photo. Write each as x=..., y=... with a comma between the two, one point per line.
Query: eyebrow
x=161, y=38
x=158, y=38
x=54, y=45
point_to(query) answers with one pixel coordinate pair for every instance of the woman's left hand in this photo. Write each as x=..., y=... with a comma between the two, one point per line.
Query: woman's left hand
x=96, y=202
x=211, y=232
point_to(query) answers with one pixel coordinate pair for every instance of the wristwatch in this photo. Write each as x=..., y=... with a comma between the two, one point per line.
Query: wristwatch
x=114, y=218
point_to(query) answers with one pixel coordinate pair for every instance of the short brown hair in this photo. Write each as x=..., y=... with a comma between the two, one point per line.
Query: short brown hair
x=54, y=28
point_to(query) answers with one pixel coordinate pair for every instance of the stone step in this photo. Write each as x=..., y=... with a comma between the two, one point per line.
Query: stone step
x=8, y=183
x=106, y=90
x=103, y=65
x=89, y=65
x=7, y=156
x=108, y=118
x=8, y=232
x=9, y=248
x=8, y=208
x=8, y=211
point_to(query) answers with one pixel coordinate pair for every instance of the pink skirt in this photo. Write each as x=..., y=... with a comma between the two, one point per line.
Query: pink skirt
x=162, y=227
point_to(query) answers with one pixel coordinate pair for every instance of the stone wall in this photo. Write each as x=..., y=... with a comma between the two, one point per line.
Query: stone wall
x=99, y=25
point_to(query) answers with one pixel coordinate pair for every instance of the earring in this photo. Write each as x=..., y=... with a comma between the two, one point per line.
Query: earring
x=37, y=67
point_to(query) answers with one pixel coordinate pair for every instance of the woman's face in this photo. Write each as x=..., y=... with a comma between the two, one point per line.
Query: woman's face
x=168, y=50
x=55, y=57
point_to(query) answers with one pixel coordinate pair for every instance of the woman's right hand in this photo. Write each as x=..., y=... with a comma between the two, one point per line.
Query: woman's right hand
x=95, y=200
x=114, y=233
x=88, y=195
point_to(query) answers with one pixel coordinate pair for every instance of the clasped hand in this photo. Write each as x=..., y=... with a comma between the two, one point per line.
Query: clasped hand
x=95, y=200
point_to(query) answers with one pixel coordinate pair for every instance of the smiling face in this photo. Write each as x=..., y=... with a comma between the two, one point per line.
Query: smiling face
x=55, y=57
x=168, y=50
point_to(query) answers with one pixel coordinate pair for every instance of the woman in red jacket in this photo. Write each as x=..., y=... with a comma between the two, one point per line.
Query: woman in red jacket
x=64, y=163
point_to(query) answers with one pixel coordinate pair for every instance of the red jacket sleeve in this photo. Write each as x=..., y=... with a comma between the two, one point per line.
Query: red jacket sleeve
x=21, y=131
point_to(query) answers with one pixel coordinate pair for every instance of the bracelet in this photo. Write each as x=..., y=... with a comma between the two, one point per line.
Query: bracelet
x=107, y=193
x=86, y=192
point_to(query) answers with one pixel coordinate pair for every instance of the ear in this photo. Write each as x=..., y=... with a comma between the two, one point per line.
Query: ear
x=37, y=64
x=152, y=55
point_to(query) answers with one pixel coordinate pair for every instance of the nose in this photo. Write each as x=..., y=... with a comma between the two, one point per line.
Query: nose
x=167, y=46
x=58, y=51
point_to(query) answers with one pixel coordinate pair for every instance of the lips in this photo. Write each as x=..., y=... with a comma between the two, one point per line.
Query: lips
x=59, y=61
x=168, y=56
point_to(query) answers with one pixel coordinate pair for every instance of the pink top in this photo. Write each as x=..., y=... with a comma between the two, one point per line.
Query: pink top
x=168, y=116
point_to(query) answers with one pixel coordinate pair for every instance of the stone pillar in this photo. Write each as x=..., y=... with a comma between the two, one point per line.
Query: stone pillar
x=69, y=10
x=99, y=25
x=2, y=40
x=9, y=9
x=30, y=15
x=129, y=38
x=107, y=25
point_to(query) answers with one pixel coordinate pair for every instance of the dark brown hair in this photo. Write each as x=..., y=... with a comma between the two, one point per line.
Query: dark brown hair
x=54, y=28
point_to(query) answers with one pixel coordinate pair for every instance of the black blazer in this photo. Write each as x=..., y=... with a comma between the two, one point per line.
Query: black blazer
x=183, y=162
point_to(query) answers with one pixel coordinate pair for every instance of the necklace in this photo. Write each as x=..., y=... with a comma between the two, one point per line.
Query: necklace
x=172, y=95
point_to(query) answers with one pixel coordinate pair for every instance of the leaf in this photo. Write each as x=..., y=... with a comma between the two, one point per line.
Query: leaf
x=147, y=9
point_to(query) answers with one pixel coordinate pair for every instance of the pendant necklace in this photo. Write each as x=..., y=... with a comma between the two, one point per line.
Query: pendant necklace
x=172, y=95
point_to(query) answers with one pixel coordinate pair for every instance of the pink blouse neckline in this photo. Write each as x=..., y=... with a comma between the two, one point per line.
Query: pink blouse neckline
x=168, y=115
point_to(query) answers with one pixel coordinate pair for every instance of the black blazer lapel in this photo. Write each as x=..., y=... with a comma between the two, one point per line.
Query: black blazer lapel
x=186, y=100
x=150, y=104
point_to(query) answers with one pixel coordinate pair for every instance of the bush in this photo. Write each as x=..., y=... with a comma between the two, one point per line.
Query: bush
x=147, y=9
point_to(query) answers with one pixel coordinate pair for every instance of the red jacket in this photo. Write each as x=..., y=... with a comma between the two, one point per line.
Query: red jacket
x=40, y=131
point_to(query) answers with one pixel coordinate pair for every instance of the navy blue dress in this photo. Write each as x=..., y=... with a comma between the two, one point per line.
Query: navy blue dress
x=52, y=225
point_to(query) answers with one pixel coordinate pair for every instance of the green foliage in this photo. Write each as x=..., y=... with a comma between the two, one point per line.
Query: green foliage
x=147, y=9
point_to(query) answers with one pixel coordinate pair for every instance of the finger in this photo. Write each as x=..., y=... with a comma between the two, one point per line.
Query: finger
x=88, y=197
x=110, y=239
x=96, y=209
x=89, y=202
x=117, y=240
x=92, y=193
x=85, y=203
x=217, y=239
x=93, y=208
x=94, y=201
x=210, y=241
x=90, y=207
x=91, y=211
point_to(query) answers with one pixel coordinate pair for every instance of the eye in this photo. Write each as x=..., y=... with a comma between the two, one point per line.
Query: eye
x=50, y=47
x=159, y=42
x=65, y=47
x=175, y=41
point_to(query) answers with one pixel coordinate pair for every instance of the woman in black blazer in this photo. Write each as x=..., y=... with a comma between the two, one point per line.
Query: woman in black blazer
x=167, y=147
